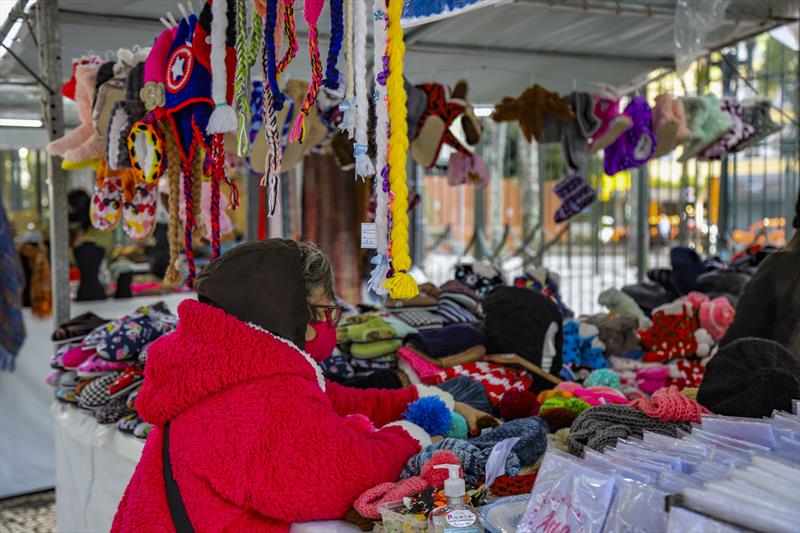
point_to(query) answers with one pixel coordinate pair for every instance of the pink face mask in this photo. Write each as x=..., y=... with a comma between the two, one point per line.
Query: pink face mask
x=324, y=342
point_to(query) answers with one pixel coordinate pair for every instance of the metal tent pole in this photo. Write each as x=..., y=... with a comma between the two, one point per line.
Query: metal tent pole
x=49, y=37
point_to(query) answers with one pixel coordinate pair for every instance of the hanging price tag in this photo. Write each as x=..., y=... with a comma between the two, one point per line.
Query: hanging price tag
x=369, y=236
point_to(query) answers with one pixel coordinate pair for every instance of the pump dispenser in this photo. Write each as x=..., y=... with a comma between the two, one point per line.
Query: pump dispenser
x=456, y=516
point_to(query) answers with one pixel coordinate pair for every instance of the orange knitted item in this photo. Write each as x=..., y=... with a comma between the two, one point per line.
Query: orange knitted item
x=670, y=405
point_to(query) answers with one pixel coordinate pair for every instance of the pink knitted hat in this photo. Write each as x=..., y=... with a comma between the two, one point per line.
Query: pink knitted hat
x=152, y=94
x=716, y=316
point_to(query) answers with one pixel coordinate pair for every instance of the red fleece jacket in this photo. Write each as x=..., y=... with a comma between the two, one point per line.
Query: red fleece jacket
x=255, y=441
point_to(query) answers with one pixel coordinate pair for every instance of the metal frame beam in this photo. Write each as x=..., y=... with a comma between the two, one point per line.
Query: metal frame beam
x=49, y=32
x=17, y=12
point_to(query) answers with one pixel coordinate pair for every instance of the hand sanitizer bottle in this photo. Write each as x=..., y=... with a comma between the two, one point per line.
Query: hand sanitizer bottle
x=456, y=516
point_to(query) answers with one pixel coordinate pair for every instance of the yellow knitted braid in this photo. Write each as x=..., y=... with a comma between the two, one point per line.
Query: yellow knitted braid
x=401, y=285
x=173, y=275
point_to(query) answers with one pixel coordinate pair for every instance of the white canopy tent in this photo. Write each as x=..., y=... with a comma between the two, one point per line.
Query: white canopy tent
x=499, y=46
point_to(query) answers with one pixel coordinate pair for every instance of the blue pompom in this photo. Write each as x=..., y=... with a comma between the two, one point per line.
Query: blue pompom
x=430, y=413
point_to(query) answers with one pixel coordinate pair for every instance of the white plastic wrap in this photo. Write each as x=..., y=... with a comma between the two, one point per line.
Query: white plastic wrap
x=745, y=512
x=567, y=496
x=694, y=20
x=755, y=431
x=636, y=508
x=682, y=520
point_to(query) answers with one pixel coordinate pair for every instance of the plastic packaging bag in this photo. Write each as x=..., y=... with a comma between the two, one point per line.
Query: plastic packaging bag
x=681, y=520
x=605, y=464
x=750, y=430
x=568, y=496
x=693, y=22
x=746, y=513
x=636, y=508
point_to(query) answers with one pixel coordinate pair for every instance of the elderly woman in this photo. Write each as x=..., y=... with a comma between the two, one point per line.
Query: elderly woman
x=248, y=434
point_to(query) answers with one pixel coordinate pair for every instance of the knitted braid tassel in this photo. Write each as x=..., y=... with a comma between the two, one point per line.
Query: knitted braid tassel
x=381, y=260
x=332, y=78
x=348, y=105
x=311, y=12
x=217, y=154
x=246, y=54
x=198, y=226
x=364, y=167
x=291, y=36
x=173, y=275
x=269, y=59
x=223, y=118
x=401, y=285
x=189, y=225
x=274, y=157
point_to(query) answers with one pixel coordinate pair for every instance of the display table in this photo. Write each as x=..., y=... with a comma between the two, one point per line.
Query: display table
x=94, y=463
x=26, y=427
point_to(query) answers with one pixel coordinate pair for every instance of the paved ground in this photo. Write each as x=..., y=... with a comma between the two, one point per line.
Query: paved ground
x=33, y=513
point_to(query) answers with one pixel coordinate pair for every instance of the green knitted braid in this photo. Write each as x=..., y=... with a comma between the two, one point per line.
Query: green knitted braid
x=247, y=55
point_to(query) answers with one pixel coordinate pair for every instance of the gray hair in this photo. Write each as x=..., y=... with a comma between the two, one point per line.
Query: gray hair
x=317, y=270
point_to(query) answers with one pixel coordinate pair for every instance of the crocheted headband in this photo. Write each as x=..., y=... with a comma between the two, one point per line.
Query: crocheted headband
x=401, y=285
x=311, y=13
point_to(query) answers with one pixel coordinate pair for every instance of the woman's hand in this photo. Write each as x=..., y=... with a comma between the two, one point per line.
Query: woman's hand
x=474, y=416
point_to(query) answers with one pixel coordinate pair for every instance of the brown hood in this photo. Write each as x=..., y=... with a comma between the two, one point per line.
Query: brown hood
x=260, y=282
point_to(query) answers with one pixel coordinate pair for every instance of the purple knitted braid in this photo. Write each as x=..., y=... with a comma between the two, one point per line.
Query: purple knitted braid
x=270, y=22
x=189, y=226
x=337, y=31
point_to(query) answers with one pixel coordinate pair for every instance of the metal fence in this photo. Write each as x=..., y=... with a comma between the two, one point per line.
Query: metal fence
x=717, y=208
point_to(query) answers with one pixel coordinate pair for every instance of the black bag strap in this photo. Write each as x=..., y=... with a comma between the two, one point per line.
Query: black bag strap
x=180, y=519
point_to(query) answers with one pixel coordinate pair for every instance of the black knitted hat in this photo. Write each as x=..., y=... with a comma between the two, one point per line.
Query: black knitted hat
x=517, y=321
x=750, y=377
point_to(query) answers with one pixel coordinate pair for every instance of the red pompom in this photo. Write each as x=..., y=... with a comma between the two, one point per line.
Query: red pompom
x=436, y=476
x=518, y=404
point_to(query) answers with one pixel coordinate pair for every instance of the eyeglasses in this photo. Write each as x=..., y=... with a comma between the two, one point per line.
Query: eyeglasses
x=333, y=313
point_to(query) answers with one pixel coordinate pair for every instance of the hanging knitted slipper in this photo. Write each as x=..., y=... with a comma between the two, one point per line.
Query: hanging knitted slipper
x=708, y=125
x=124, y=115
x=612, y=127
x=433, y=126
x=146, y=149
x=139, y=215
x=756, y=113
x=669, y=123
x=738, y=133
x=576, y=194
x=473, y=130
x=106, y=208
x=85, y=76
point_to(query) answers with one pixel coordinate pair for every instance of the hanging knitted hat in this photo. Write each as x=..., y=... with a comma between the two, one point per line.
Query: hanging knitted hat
x=152, y=93
x=311, y=13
